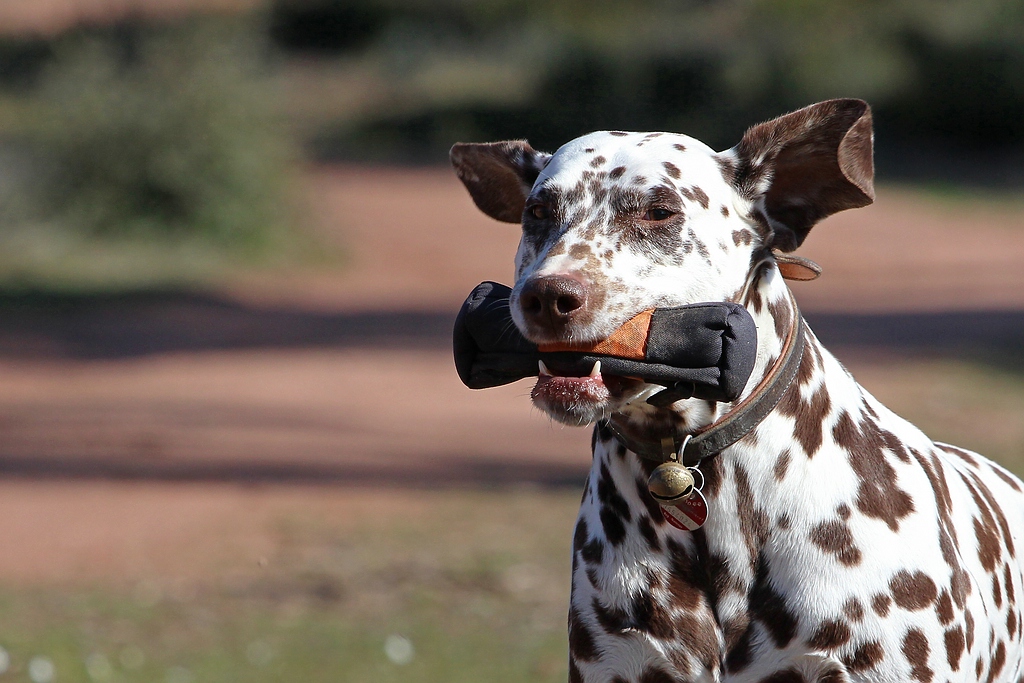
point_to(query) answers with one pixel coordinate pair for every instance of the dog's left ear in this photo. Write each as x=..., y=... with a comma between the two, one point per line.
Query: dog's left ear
x=498, y=175
x=805, y=166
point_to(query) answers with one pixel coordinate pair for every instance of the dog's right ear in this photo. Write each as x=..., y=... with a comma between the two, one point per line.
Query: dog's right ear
x=498, y=175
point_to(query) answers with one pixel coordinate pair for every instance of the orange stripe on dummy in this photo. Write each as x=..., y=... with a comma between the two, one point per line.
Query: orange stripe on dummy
x=629, y=341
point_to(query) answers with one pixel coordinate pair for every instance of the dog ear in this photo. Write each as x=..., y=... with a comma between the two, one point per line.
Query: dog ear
x=498, y=175
x=805, y=166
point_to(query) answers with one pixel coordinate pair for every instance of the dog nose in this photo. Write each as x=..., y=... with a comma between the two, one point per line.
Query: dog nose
x=551, y=301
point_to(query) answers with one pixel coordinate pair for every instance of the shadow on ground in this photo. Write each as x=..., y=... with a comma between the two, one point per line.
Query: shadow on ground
x=59, y=326
x=427, y=473
x=49, y=325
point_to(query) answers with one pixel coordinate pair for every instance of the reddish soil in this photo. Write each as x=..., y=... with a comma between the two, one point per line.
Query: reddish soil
x=167, y=439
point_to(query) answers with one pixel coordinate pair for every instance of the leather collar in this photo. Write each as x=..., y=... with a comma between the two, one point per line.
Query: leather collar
x=738, y=422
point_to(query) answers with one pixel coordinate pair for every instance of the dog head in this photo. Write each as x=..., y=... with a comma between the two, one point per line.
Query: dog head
x=617, y=223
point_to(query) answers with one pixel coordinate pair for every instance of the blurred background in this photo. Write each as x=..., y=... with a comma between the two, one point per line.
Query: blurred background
x=232, y=443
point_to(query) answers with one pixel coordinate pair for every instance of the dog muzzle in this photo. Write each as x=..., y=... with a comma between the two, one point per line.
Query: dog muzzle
x=704, y=350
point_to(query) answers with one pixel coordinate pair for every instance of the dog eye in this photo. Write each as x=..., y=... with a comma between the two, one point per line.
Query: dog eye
x=658, y=214
x=538, y=211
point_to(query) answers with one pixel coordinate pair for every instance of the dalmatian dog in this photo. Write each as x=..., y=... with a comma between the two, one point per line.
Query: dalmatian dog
x=841, y=543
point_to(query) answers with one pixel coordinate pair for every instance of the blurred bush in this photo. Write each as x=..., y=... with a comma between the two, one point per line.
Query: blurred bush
x=143, y=152
x=163, y=131
x=941, y=75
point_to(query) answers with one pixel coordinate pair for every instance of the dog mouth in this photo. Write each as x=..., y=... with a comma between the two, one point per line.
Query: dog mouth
x=580, y=400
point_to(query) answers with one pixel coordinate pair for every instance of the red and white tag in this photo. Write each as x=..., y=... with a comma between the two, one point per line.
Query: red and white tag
x=688, y=515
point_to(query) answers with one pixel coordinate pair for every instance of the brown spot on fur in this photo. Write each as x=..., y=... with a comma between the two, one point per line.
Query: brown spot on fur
x=698, y=637
x=988, y=544
x=581, y=641
x=878, y=495
x=830, y=635
x=671, y=169
x=712, y=478
x=725, y=212
x=739, y=656
x=783, y=521
x=616, y=172
x=781, y=465
x=639, y=180
x=574, y=672
x=655, y=675
x=743, y=236
x=853, y=610
x=832, y=672
x=1010, y=481
x=864, y=657
x=701, y=197
x=997, y=593
x=557, y=249
x=580, y=251
x=958, y=452
x=782, y=316
x=784, y=676
x=579, y=537
x=597, y=161
x=681, y=148
x=646, y=530
x=881, y=603
x=685, y=580
x=727, y=167
x=960, y=587
x=834, y=537
x=954, y=641
x=769, y=607
x=916, y=650
x=969, y=628
x=947, y=531
x=997, y=661
x=614, y=528
x=753, y=522
x=912, y=591
x=996, y=511
x=1008, y=582
x=650, y=617
x=944, y=608
x=695, y=194
x=1011, y=624
x=810, y=418
x=617, y=133
x=652, y=506
x=612, y=619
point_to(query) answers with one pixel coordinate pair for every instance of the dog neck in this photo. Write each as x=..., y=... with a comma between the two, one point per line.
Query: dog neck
x=664, y=431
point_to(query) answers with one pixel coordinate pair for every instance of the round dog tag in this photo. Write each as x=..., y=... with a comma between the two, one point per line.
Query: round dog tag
x=671, y=483
x=688, y=515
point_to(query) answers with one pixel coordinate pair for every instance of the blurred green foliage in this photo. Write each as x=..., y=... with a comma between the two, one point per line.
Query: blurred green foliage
x=163, y=130
x=938, y=72
x=167, y=134
x=182, y=134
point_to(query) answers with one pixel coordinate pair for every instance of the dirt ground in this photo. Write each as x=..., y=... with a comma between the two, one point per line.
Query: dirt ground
x=166, y=437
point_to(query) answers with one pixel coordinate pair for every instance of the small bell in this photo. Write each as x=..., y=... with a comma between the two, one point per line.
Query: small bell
x=671, y=483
